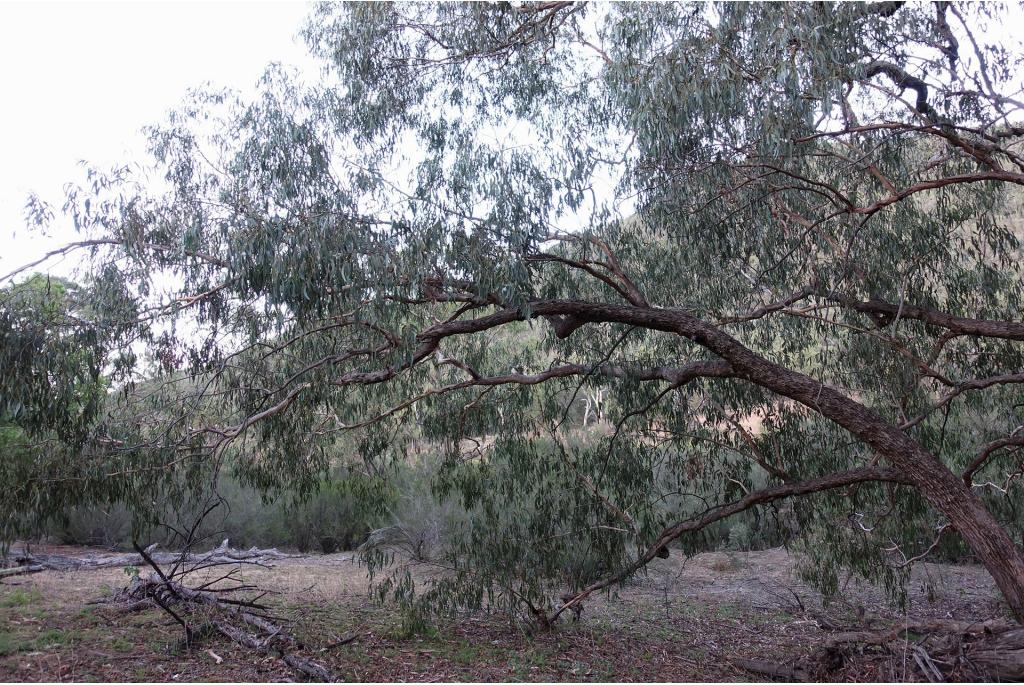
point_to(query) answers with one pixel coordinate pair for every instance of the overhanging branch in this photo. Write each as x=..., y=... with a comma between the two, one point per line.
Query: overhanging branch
x=829, y=482
x=884, y=313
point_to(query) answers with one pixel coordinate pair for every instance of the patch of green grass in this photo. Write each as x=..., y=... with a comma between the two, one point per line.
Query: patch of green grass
x=603, y=670
x=9, y=644
x=53, y=637
x=12, y=643
x=534, y=658
x=142, y=618
x=86, y=613
x=681, y=607
x=465, y=654
x=121, y=644
x=520, y=669
x=665, y=633
x=20, y=597
x=360, y=658
x=410, y=627
x=727, y=610
x=758, y=618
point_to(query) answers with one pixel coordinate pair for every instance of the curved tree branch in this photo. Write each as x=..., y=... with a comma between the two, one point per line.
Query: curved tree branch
x=884, y=313
x=813, y=485
x=986, y=452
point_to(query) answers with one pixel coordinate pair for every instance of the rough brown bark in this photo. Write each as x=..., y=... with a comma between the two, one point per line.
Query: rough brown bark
x=943, y=489
x=886, y=312
x=955, y=650
x=773, y=669
x=1002, y=657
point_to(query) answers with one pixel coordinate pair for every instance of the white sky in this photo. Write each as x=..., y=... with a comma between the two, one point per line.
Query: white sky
x=79, y=81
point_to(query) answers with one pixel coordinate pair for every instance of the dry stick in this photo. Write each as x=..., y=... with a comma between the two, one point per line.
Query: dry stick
x=927, y=666
x=298, y=663
x=272, y=631
x=342, y=641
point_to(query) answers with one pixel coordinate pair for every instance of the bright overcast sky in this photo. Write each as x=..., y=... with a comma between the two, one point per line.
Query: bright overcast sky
x=79, y=81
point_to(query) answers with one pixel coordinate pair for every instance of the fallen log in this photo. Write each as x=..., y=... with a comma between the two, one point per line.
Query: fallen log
x=310, y=668
x=924, y=662
x=930, y=627
x=220, y=555
x=942, y=649
x=773, y=670
x=20, y=570
x=998, y=656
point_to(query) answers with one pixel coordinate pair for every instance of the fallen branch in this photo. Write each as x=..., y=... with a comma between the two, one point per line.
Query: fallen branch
x=310, y=668
x=20, y=570
x=774, y=670
x=221, y=555
x=270, y=638
x=943, y=650
x=927, y=666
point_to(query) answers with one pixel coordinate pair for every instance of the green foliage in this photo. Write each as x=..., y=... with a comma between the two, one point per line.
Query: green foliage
x=52, y=380
x=330, y=519
x=348, y=276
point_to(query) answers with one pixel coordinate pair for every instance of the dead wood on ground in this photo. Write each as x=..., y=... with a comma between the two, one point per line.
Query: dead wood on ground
x=219, y=607
x=20, y=570
x=942, y=651
x=224, y=554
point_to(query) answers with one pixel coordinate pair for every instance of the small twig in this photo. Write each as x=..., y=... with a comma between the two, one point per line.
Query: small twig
x=343, y=641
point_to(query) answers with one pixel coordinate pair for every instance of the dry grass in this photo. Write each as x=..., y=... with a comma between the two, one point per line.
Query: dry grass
x=686, y=620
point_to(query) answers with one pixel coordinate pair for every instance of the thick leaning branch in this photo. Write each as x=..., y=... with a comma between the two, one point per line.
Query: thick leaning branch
x=943, y=489
x=807, y=487
x=430, y=342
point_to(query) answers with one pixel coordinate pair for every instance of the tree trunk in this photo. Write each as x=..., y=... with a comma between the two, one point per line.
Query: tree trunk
x=943, y=489
x=983, y=534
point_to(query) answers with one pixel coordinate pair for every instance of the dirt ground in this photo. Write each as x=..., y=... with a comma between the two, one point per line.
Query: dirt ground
x=688, y=619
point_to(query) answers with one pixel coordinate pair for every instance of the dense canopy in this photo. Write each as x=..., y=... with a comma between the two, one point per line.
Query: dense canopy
x=780, y=243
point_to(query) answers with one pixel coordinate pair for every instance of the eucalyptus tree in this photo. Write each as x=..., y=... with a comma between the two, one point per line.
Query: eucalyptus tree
x=784, y=238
